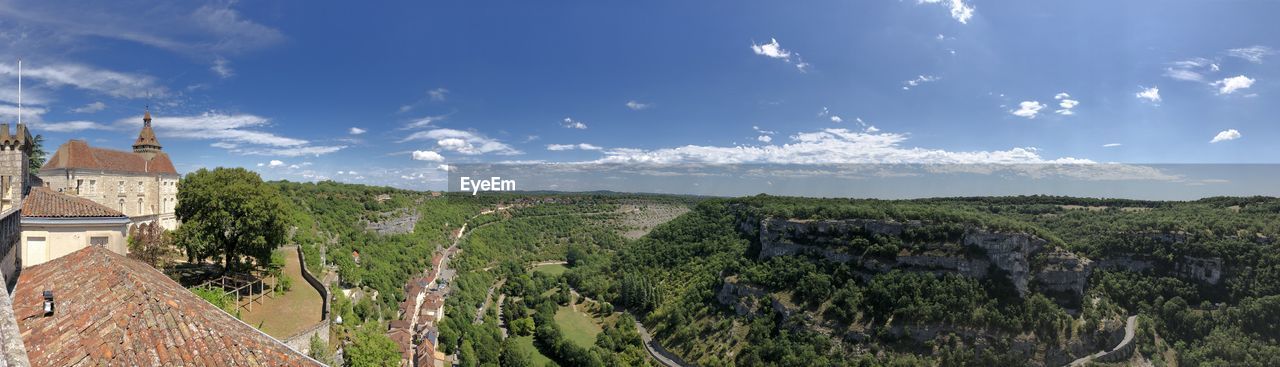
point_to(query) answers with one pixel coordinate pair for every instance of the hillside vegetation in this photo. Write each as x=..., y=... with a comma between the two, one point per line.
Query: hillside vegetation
x=801, y=282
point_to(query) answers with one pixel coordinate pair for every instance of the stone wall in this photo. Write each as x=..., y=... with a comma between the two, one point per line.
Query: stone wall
x=301, y=342
x=14, y=352
x=315, y=283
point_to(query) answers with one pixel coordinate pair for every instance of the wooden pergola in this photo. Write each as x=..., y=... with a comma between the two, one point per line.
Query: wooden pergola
x=242, y=286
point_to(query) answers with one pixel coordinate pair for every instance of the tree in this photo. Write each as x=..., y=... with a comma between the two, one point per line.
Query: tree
x=151, y=244
x=319, y=350
x=514, y=356
x=229, y=212
x=36, y=159
x=371, y=348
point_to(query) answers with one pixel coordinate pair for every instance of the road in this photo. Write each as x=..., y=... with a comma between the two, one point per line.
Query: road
x=487, y=297
x=1130, y=328
x=655, y=350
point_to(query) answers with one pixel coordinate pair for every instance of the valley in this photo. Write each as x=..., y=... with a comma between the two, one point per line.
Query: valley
x=564, y=279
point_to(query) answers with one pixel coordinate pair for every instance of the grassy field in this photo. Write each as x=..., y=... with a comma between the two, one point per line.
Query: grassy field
x=288, y=313
x=578, y=327
x=552, y=269
x=526, y=343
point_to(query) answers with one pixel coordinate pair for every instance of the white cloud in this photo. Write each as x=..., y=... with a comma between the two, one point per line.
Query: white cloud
x=292, y=151
x=1111, y=145
x=764, y=138
x=1066, y=104
x=1253, y=54
x=111, y=83
x=636, y=106
x=579, y=146
x=1191, y=70
x=827, y=146
x=236, y=129
x=423, y=122
x=1028, y=109
x=69, y=126
x=918, y=80
x=437, y=94
x=836, y=119
x=464, y=142
x=1232, y=84
x=275, y=163
x=572, y=124
x=774, y=50
x=1150, y=94
x=90, y=108
x=427, y=155
x=222, y=67
x=356, y=131
x=1229, y=134
x=960, y=11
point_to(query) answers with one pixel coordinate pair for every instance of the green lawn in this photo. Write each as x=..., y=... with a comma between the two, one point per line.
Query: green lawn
x=577, y=327
x=526, y=343
x=553, y=269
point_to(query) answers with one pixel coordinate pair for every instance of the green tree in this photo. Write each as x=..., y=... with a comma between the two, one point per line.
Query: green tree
x=36, y=159
x=467, y=355
x=151, y=244
x=371, y=348
x=229, y=212
x=319, y=350
x=514, y=356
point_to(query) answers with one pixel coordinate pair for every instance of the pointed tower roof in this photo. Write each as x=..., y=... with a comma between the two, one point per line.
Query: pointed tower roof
x=147, y=137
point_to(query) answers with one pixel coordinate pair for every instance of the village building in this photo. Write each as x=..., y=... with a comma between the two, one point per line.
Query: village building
x=56, y=224
x=142, y=183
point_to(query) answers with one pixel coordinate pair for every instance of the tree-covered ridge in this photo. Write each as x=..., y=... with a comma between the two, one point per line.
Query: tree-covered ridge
x=687, y=260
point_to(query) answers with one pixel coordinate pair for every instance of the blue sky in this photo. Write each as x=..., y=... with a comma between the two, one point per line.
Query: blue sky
x=387, y=94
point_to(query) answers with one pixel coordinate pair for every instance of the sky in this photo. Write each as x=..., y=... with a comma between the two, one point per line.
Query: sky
x=392, y=94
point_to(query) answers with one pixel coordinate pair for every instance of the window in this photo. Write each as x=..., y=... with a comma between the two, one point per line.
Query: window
x=122, y=202
x=139, y=205
x=93, y=186
x=121, y=188
x=78, y=184
x=98, y=241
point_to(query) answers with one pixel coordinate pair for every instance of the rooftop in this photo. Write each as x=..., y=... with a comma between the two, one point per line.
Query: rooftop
x=77, y=153
x=43, y=202
x=112, y=310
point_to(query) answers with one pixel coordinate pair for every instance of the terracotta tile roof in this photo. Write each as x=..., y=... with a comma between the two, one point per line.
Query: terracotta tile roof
x=43, y=202
x=403, y=337
x=147, y=137
x=78, y=154
x=112, y=310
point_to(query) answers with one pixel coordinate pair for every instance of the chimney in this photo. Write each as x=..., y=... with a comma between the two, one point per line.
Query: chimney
x=48, y=303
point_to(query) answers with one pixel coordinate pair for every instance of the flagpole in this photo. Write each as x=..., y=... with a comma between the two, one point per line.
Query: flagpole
x=19, y=91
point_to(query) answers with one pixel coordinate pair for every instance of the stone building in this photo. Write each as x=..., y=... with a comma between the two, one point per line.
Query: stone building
x=14, y=152
x=55, y=224
x=142, y=184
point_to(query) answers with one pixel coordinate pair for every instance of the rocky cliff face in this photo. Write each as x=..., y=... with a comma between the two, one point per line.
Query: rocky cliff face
x=1055, y=270
x=1009, y=252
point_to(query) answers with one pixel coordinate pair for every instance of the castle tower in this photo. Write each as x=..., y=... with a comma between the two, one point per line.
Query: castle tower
x=14, y=152
x=146, y=145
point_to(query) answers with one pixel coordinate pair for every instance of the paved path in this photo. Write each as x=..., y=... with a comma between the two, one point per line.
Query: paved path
x=656, y=351
x=1130, y=328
